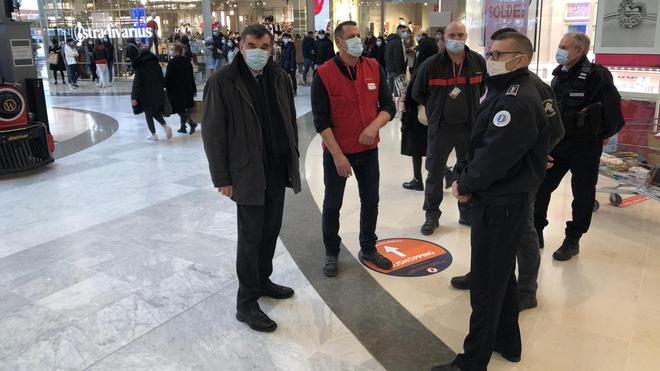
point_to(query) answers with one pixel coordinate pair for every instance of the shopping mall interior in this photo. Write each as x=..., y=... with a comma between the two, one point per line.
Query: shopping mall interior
x=118, y=252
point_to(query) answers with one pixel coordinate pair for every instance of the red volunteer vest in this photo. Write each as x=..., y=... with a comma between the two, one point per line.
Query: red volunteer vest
x=353, y=104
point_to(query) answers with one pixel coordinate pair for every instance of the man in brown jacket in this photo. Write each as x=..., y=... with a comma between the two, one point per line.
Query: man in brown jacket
x=251, y=142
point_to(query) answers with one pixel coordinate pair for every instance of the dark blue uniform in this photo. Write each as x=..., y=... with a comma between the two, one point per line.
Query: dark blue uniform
x=505, y=166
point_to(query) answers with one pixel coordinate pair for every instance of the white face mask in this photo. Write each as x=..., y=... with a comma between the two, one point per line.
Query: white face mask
x=256, y=59
x=495, y=68
x=354, y=46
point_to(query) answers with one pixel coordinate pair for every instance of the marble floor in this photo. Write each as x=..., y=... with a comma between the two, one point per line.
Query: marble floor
x=121, y=256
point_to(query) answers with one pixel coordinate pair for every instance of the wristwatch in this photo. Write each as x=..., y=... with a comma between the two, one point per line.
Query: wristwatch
x=630, y=14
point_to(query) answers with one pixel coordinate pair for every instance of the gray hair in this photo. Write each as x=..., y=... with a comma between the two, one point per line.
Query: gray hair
x=580, y=40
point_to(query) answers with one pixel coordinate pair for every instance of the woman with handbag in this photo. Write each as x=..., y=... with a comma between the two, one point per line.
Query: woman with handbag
x=181, y=87
x=55, y=59
x=148, y=94
x=414, y=127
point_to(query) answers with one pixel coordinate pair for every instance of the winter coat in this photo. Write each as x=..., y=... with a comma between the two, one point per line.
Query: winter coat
x=111, y=51
x=299, y=51
x=378, y=53
x=148, y=83
x=395, y=61
x=180, y=83
x=100, y=55
x=71, y=54
x=324, y=50
x=57, y=49
x=288, y=58
x=132, y=52
x=308, y=47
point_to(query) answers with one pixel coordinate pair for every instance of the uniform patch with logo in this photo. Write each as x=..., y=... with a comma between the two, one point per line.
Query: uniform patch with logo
x=549, y=108
x=513, y=90
x=579, y=94
x=502, y=119
x=371, y=86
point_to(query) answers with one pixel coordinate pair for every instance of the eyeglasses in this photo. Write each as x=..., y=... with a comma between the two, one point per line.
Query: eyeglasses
x=496, y=55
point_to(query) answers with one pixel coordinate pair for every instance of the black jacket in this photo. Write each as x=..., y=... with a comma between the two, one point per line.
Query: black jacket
x=232, y=133
x=434, y=97
x=148, y=83
x=324, y=51
x=180, y=83
x=288, y=57
x=378, y=53
x=426, y=48
x=395, y=61
x=556, y=127
x=308, y=47
x=593, y=93
x=509, y=143
x=131, y=52
x=111, y=51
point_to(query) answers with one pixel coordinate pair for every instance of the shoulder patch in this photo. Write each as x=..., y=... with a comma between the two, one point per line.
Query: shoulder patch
x=513, y=90
x=502, y=119
x=548, y=107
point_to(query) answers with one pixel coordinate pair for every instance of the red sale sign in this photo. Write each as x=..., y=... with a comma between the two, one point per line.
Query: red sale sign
x=505, y=13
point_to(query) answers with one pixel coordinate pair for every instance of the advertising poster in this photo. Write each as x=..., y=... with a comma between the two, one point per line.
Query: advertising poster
x=321, y=14
x=505, y=13
x=627, y=27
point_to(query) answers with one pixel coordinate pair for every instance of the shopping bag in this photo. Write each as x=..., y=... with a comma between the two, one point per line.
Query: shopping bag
x=196, y=112
x=52, y=58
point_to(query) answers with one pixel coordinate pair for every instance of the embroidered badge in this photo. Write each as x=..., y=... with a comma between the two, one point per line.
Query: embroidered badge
x=513, y=90
x=502, y=119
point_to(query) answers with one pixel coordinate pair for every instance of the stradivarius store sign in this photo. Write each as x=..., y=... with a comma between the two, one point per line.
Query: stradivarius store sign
x=81, y=33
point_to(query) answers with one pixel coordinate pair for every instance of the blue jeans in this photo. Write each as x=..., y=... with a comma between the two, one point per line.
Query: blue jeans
x=72, y=73
x=309, y=63
x=367, y=173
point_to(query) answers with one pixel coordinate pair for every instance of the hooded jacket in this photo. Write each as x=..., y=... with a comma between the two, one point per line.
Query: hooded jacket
x=395, y=61
x=149, y=83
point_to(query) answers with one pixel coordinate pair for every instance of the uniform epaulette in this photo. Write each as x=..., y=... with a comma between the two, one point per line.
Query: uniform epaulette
x=513, y=90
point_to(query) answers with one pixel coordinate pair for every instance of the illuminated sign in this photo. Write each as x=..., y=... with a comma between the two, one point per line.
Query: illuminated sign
x=81, y=33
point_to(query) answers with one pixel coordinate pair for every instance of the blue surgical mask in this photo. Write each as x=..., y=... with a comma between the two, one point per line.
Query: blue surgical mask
x=562, y=57
x=285, y=41
x=256, y=59
x=455, y=46
x=354, y=46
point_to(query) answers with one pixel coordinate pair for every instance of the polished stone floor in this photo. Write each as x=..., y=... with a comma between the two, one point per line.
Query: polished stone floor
x=120, y=256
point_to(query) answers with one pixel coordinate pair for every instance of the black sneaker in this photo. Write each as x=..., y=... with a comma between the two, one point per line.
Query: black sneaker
x=525, y=303
x=449, y=367
x=193, y=126
x=568, y=249
x=539, y=233
x=276, y=291
x=432, y=222
x=461, y=282
x=378, y=260
x=414, y=185
x=465, y=216
x=330, y=268
x=182, y=130
x=257, y=320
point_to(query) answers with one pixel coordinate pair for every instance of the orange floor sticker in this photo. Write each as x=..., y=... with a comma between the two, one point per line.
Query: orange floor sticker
x=411, y=257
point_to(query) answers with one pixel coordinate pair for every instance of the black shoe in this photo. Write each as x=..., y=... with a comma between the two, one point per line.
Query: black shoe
x=448, y=178
x=465, y=216
x=330, y=268
x=414, y=185
x=461, y=282
x=525, y=303
x=276, y=291
x=432, y=222
x=568, y=249
x=55, y=82
x=510, y=358
x=539, y=233
x=449, y=367
x=193, y=126
x=378, y=260
x=182, y=130
x=257, y=320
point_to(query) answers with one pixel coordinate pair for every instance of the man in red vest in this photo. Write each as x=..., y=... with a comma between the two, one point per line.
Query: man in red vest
x=351, y=102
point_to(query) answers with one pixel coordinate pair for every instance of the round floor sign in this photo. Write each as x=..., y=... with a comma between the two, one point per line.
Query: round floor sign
x=411, y=257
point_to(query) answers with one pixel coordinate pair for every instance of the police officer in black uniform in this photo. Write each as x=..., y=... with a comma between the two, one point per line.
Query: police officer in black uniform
x=590, y=107
x=506, y=164
x=529, y=256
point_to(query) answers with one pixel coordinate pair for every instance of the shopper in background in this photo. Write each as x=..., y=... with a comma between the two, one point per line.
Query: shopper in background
x=590, y=108
x=56, y=49
x=187, y=52
x=378, y=52
x=308, y=55
x=395, y=59
x=101, y=61
x=148, y=93
x=449, y=85
x=288, y=60
x=232, y=50
x=89, y=53
x=300, y=60
x=110, y=49
x=251, y=143
x=181, y=87
x=71, y=53
x=324, y=50
x=351, y=103
x=131, y=54
x=413, y=132
x=216, y=46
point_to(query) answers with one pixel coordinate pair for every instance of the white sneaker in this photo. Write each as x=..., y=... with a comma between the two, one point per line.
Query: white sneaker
x=153, y=138
x=168, y=131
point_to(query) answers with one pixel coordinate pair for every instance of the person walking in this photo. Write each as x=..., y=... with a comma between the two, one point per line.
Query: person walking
x=351, y=103
x=395, y=60
x=56, y=50
x=378, y=52
x=308, y=55
x=251, y=144
x=413, y=132
x=181, y=87
x=288, y=60
x=232, y=50
x=101, y=61
x=71, y=53
x=504, y=168
x=324, y=50
x=148, y=93
x=300, y=60
x=110, y=49
x=132, y=52
x=449, y=85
